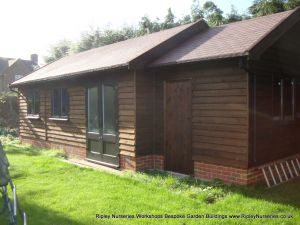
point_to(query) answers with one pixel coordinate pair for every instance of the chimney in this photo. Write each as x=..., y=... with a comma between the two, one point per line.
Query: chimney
x=34, y=58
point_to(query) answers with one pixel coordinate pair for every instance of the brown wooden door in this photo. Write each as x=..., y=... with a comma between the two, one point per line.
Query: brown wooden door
x=178, y=126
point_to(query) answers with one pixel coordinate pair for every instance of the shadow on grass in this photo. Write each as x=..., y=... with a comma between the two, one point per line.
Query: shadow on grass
x=15, y=148
x=287, y=194
x=41, y=216
x=22, y=150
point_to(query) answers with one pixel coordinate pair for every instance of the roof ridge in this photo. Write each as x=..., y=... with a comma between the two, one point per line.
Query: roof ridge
x=134, y=38
x=259, y=17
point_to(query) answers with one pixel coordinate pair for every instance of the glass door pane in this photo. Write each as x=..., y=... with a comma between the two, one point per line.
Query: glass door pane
x=109, y=110
x=93, y=109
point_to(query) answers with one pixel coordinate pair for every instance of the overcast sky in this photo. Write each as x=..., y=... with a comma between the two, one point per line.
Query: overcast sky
x=31, y=26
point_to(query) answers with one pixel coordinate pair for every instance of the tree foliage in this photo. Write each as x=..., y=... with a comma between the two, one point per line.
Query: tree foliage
x=267, y=7
x=234, y=16
x=291, y=4
x=208, y=11
x=59, y=50
x=196, y=11
x=169, y=21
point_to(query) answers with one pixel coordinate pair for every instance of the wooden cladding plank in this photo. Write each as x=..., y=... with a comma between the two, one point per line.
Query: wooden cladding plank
x=126, y=107
x=221, y=106
x=126, y=147
x=219, y=147
x=220, y=141
x=123, y=84
x=67, y=134
x=220, y=120
x=127, y=142
x=127, y=136
x=220, y=127
x=220, y=79
x=126, y=130
x=126, y=113
x=125, y=90
x=77, y=98
x=127, y=118
x=223, y=100
x=64, y=142
x=33, y=129
x=126, y=102
x=66, y=138
x=220, y=161
x=222, y=155
x=42, y=134
x=220, y=134
x=126, y=95
x=219, y=113
x=220, y=86
x=128, y=153
x=35, y=136
x=125, y=124
x=220, y=93
x=73, y=129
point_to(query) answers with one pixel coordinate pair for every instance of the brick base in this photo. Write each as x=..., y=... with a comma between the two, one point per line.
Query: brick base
x=142, y=162
x=228, y=175
x=71, y=151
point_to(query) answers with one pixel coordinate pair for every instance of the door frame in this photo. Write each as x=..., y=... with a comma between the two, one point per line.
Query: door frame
x=189, y=79
x=100, y=83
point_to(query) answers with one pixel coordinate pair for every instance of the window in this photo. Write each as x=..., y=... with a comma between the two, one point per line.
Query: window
x=288, y=99
x=277, y=92
x=283, y=99
x=60, y=103
x=33, y=103
x=297, y=97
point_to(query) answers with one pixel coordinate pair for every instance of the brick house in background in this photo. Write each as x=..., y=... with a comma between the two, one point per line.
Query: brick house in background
x=12, y=69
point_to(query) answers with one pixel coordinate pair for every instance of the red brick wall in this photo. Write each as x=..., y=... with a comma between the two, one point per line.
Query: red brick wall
x=69, y=150
x=142, y=162
x=227, y=174
x=230, y=175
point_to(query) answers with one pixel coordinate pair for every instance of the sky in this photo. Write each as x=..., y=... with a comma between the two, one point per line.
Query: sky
x=31, y=26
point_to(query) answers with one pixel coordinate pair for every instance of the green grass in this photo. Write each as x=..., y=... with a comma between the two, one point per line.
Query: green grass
x=57, y=193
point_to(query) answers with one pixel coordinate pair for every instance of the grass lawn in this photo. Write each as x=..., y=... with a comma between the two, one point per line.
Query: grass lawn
x=57, y=193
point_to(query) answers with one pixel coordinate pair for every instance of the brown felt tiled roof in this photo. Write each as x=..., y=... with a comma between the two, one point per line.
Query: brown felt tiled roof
x=235, y=39
x=106, y=57
x=230, y=40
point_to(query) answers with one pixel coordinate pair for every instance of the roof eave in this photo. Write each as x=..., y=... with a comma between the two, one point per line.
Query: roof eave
x=65, y=76
x=270, y=38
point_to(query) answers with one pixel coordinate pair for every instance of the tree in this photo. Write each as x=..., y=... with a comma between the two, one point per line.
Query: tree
x=169, y=21
x=266, y=7
x=88, y=40
x=58, y=50
x=185, y=20
x=196, y=11
x=233, y=16
x=213, y=14
x=146, y=26
x=96, y=38
x=291, y=4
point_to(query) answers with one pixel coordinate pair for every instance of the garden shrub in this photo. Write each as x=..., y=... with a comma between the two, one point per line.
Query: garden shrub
x=9, y=112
